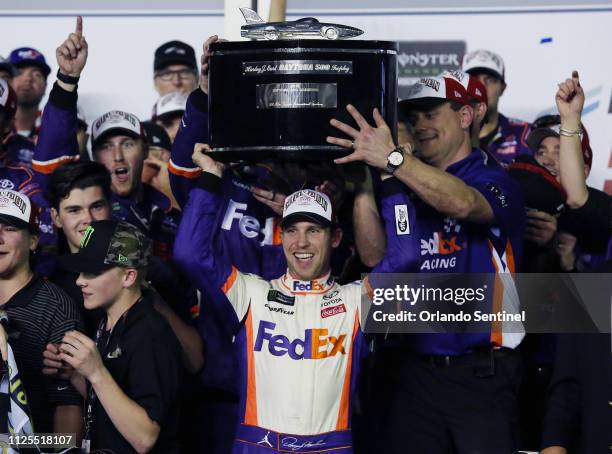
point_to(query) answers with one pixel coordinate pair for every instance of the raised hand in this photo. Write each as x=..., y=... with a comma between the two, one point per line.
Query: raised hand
x=72, y=54
x=570, y=98
x=273, y=199
x=372, y=145
x=204, y=61
x=205, y=162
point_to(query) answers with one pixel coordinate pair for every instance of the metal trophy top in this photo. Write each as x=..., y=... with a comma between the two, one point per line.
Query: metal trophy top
x=305, y=28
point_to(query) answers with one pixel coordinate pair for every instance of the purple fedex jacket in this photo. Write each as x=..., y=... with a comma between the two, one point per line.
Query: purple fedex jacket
x=508, y=141
x=447, y=245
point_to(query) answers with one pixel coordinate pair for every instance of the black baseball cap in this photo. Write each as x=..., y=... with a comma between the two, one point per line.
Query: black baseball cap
x=174, y=53
x=156, y=135
x=108, y=244
x=541, y=189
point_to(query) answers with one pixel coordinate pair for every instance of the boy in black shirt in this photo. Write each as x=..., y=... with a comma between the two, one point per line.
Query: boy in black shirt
x=130, y=374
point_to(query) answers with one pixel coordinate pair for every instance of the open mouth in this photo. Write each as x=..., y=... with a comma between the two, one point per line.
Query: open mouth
x=121, y=174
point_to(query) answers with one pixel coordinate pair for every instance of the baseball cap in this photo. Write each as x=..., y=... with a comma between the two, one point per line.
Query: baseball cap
x=27, y=56
x=472, y=85
x=170, y=104
x=107, y=244
x=17, y=210
x=156, y=135
x=174, y=53
x=115, y=121
x=5, y=65
x=484, y=60
x=554, y=122
x=8, y=98
x=307, y=205
x=541, y=189
x=431, y=92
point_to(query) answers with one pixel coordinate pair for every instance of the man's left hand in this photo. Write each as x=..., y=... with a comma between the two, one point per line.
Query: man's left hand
x=81, y=353
x=372, y=145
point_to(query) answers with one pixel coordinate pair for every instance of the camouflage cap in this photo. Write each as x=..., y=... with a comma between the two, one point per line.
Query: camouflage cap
x=107, y=244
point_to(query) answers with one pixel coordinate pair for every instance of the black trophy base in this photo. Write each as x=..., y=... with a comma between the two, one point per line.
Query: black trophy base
x=275, y=99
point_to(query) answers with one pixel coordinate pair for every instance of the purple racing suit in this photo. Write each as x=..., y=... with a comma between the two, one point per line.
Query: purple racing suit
x=508, y=141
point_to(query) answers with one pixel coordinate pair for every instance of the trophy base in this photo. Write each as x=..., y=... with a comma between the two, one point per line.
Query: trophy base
x=280, y=153
x=275, y=100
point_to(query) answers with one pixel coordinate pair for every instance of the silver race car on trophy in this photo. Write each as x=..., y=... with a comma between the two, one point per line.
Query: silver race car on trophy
x=307, y=27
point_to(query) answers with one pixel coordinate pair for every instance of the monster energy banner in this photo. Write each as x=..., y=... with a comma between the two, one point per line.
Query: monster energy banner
x=418, y=59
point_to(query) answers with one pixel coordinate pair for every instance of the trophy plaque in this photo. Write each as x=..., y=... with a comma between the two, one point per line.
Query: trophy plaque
x=274, y=98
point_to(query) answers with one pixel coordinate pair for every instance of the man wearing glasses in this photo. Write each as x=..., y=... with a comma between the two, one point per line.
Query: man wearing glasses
x=175, y=68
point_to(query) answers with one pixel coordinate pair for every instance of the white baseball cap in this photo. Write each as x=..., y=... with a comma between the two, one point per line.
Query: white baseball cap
x=308, y=205
x=17, y=210
x=485, y=60
x=115, y=121
x=169, y=104
x=430, y=92
x=8, y=99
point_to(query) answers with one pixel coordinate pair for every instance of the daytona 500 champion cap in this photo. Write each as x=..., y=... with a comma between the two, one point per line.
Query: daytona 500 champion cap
x=307, y=205
x=431, y=92
x=486, y=61
x=17, y=210
x=107, y=244
x=115, y=121
x=169, y=105
x=8, y=99
x=472, y=85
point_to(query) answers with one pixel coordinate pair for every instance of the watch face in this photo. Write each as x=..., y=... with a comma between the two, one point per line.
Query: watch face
x=396, y=158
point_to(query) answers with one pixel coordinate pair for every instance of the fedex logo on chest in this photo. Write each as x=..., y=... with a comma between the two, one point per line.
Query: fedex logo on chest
x=316, y=343
x=248, y=226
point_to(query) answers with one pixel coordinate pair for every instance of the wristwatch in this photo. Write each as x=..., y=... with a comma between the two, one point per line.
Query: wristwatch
x=395, y=159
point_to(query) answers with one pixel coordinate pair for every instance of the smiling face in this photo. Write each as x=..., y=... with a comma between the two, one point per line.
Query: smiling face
x=308, y=248
x=123, y=157
x=15, y=247
x=440, y=132
x=78, y=210
x=547, y=154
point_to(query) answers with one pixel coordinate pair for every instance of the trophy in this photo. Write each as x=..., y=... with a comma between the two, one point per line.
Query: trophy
x=273, y=98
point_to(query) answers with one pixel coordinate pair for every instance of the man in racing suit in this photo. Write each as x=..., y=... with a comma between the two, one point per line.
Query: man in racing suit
x=300, y=340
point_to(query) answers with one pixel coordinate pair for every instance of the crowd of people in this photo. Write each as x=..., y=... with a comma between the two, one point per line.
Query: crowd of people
x=154, y=299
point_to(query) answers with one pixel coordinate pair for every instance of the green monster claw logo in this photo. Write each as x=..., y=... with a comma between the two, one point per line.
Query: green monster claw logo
x=87, y=236
x=122, y=258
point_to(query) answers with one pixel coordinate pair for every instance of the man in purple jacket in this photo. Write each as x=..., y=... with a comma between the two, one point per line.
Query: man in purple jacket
x=455, y=388
x=505, y=138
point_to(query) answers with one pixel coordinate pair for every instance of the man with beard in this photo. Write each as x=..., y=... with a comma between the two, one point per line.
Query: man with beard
x=30, y=84
x=503, y=137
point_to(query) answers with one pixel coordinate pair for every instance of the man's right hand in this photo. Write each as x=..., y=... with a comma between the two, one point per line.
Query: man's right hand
x=205, y=162
x=72, y=54
x=206, y=54
x=53, y=364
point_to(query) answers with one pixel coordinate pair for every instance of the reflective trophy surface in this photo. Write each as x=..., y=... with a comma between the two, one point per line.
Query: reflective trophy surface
x=274, y=98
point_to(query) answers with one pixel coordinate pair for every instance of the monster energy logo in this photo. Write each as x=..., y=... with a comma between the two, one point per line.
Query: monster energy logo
x=87, y=236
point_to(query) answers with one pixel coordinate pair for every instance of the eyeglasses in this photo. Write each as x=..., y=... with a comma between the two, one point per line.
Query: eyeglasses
x=168, y=74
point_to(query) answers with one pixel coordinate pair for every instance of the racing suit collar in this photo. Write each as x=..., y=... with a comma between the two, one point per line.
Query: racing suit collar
x=316, y=286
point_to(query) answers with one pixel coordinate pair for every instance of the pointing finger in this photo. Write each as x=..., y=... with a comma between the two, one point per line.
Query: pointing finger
x=79, y=26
